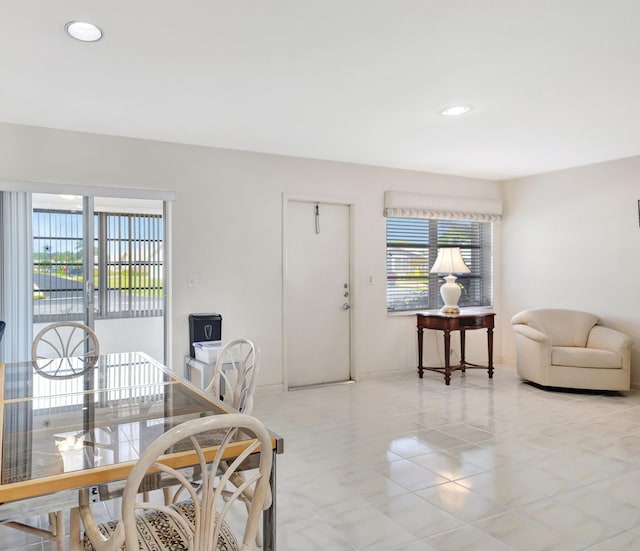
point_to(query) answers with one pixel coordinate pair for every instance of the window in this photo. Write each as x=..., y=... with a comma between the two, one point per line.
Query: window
x=412, y=247
x=127, y=267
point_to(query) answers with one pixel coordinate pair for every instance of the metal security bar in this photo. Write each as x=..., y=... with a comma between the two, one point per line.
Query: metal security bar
x=58, y=277
x=127, y=269
x=132, y=283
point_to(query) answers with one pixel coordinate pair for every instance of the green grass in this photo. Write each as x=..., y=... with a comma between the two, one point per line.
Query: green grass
x=134, y=283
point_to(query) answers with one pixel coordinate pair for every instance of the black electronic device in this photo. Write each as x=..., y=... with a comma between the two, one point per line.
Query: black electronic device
x=204, y=327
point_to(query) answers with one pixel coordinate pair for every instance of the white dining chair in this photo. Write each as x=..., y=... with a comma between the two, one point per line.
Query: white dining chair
x=62, y=350
x=65, y=350
x=236, y=374
x=234, y=382
x=199, y=522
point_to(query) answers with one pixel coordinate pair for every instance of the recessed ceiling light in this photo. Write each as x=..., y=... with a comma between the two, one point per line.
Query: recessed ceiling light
x=86, y=32
x=455, y=110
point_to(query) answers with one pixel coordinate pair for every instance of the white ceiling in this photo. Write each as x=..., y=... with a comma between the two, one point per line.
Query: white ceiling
x=553, y=83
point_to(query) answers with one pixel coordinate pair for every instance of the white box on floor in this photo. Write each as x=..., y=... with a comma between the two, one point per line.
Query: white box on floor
x=198, y=373
x=207, y=351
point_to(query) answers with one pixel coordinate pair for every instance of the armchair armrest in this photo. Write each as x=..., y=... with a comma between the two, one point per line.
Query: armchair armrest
x=605, y=338
x=533, y=349
x=531, y=333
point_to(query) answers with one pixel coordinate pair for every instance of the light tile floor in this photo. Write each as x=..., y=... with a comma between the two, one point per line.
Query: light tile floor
x=399, y=463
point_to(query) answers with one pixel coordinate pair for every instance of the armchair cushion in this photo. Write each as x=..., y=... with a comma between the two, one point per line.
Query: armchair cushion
x=585, y=357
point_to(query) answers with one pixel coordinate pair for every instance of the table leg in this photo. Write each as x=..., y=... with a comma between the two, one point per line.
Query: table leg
x=269, y=516
x=420, y=338
x=462, y=356
x=490, y=350
x=447, y=356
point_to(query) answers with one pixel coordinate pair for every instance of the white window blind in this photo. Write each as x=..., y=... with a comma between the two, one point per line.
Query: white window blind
x=16, y=279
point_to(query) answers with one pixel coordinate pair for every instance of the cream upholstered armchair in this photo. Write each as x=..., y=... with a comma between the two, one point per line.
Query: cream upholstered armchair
x=569, y=349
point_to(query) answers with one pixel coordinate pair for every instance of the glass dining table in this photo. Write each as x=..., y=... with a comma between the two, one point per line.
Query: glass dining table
x=68, y=427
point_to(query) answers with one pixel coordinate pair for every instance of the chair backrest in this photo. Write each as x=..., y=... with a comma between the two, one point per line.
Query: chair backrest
x=563, y=327
x=65, y=349
x=236, y=374
x=3, y=324
x=210, y=500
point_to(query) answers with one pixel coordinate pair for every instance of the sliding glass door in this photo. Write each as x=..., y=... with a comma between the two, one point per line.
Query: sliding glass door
x=100, y=260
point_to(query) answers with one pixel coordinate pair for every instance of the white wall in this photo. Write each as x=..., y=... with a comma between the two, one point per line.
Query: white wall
x=228, y=230
x=571, y=239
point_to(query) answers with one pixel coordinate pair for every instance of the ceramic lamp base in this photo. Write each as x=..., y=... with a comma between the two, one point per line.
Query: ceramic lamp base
x=450, y=292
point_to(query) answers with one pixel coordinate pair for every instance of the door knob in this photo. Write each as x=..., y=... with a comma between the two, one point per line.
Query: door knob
x=345, y=306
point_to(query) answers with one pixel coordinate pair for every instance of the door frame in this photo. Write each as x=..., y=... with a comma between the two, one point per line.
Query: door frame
x=88, y=252
x=353, y=288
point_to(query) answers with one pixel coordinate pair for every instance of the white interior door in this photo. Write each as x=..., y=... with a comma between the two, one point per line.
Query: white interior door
x=317, y=294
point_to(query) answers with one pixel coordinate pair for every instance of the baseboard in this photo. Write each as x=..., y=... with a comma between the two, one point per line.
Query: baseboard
x=269, y=389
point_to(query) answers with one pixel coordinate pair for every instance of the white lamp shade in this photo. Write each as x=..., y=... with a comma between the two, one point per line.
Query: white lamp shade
x=449, y=261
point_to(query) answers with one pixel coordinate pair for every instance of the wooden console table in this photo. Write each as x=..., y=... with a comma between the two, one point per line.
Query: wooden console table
x=464, y=321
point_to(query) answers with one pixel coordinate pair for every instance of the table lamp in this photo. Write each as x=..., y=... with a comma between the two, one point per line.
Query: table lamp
x=450, y=261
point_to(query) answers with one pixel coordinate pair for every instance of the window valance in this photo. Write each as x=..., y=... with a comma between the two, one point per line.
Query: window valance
x=398, y=204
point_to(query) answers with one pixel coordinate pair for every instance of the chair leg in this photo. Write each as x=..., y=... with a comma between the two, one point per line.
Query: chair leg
x=74, y=529
x=56, y=521
x=259, y=532
x=237, y=479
